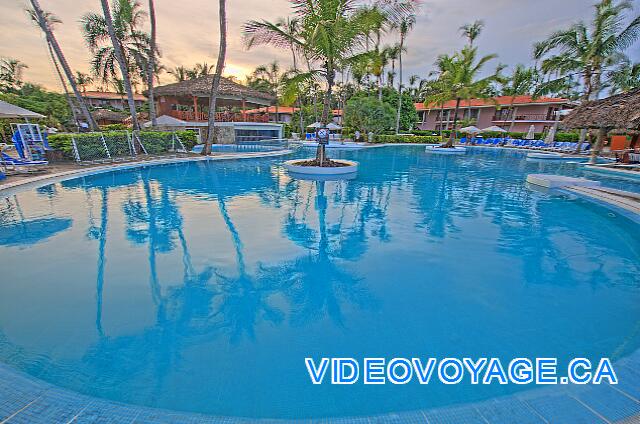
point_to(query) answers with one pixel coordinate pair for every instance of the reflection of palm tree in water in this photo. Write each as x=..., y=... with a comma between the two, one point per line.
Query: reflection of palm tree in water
x=315, y=284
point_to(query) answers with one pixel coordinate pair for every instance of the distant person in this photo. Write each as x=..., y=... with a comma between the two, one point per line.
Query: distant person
x=357, y=136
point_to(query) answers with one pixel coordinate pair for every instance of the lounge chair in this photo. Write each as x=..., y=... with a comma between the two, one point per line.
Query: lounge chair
x=22, y=165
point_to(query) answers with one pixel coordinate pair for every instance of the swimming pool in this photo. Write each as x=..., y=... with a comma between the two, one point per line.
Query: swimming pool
x=203, y=286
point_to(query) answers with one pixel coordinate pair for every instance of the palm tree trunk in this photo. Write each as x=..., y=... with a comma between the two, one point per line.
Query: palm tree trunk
x=151, y=68
x=64, y=86
x=121, y=62
x=215, y=86
x=298, y=100
x=602, y=134
x=321, y=153
x=452, y=136
x=399, y=85
x=51, y=39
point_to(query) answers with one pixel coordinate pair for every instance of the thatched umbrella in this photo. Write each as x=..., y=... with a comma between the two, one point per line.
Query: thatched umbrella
x=619, y=112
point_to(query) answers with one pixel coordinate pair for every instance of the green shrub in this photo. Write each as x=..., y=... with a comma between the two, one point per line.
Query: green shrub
x=189, y=138
x=418, y=139
x=113, y=127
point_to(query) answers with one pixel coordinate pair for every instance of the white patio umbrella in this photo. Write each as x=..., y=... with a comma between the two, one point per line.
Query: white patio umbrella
x=470, y=130
x=315, y=125
x=7, y=110
x=531, y=134
x=494, y=128
x=334, y=126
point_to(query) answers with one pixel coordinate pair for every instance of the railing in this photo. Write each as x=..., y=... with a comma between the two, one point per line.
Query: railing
x=191, y=116
x=523, y=117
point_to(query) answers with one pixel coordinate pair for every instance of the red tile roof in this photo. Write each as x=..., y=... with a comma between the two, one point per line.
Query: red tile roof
x=109, y=95
x=272, y=109
x=283, y=109
x=502, y=101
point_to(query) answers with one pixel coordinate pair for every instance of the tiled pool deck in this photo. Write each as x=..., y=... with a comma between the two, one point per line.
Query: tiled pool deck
x=24, y=399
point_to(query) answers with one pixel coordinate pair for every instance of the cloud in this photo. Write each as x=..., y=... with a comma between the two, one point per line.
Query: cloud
x=188, y=32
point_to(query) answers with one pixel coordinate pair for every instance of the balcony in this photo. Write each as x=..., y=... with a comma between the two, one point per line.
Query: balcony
x=528, y=117
x=191, y=116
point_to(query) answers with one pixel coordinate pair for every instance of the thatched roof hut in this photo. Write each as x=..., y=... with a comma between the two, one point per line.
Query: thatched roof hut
x=618, y=112
x=200, y=87
x=105, y=116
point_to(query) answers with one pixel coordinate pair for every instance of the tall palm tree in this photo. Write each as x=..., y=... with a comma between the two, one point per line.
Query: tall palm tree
x=151, y=68
x=472, y=31
x=331, y=32
x=119, y=54
x=588, y=51
x=215, y=85
x=45, y=26
x=406, y=24
x=459, y=80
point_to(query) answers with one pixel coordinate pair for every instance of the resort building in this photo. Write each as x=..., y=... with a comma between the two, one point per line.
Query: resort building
x=108, y=99
x=284, y=114
x=185, y=105
x=516, y=114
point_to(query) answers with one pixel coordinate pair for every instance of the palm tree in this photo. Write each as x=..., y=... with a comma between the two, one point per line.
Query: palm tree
x=151, y=68
x=472, y=31
x=11, y=74
x=199, y=70
x=331, y=33
x=406, y=24
x=458, y=79
x=588, y=51
x=118, y=51
x=45, y=26
x=523, y=81
x=180, y=73
x=83, y=80
x=624, y=78
x=215, y=85
x=271, y=74
x=120, y=48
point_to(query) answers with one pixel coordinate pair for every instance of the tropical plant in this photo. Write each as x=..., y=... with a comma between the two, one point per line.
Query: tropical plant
x=117, y=46
x=472, y=31
x=522, y=81
x=200, y=70
x=459, y=79
x=367, y=115
x=127, y=17
x=215, y=84
x=589, y=50
x=331, y=33
x=83, y=80
x=406, y=24
x=45, y=22
x=623, y=78
x=270, y=77
x=180, y=73
x=11, y=74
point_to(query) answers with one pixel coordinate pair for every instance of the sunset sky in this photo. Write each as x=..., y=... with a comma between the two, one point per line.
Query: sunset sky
x=187, y=32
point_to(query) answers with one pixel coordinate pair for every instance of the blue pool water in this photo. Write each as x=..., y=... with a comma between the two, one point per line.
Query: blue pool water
x=203, y=286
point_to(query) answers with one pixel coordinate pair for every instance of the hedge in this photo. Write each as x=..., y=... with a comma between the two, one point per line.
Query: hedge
x=422, y=139
x=154, y=141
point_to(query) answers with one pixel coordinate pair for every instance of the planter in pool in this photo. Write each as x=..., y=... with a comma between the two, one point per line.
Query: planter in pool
x=295, y=168
x=456, y=150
